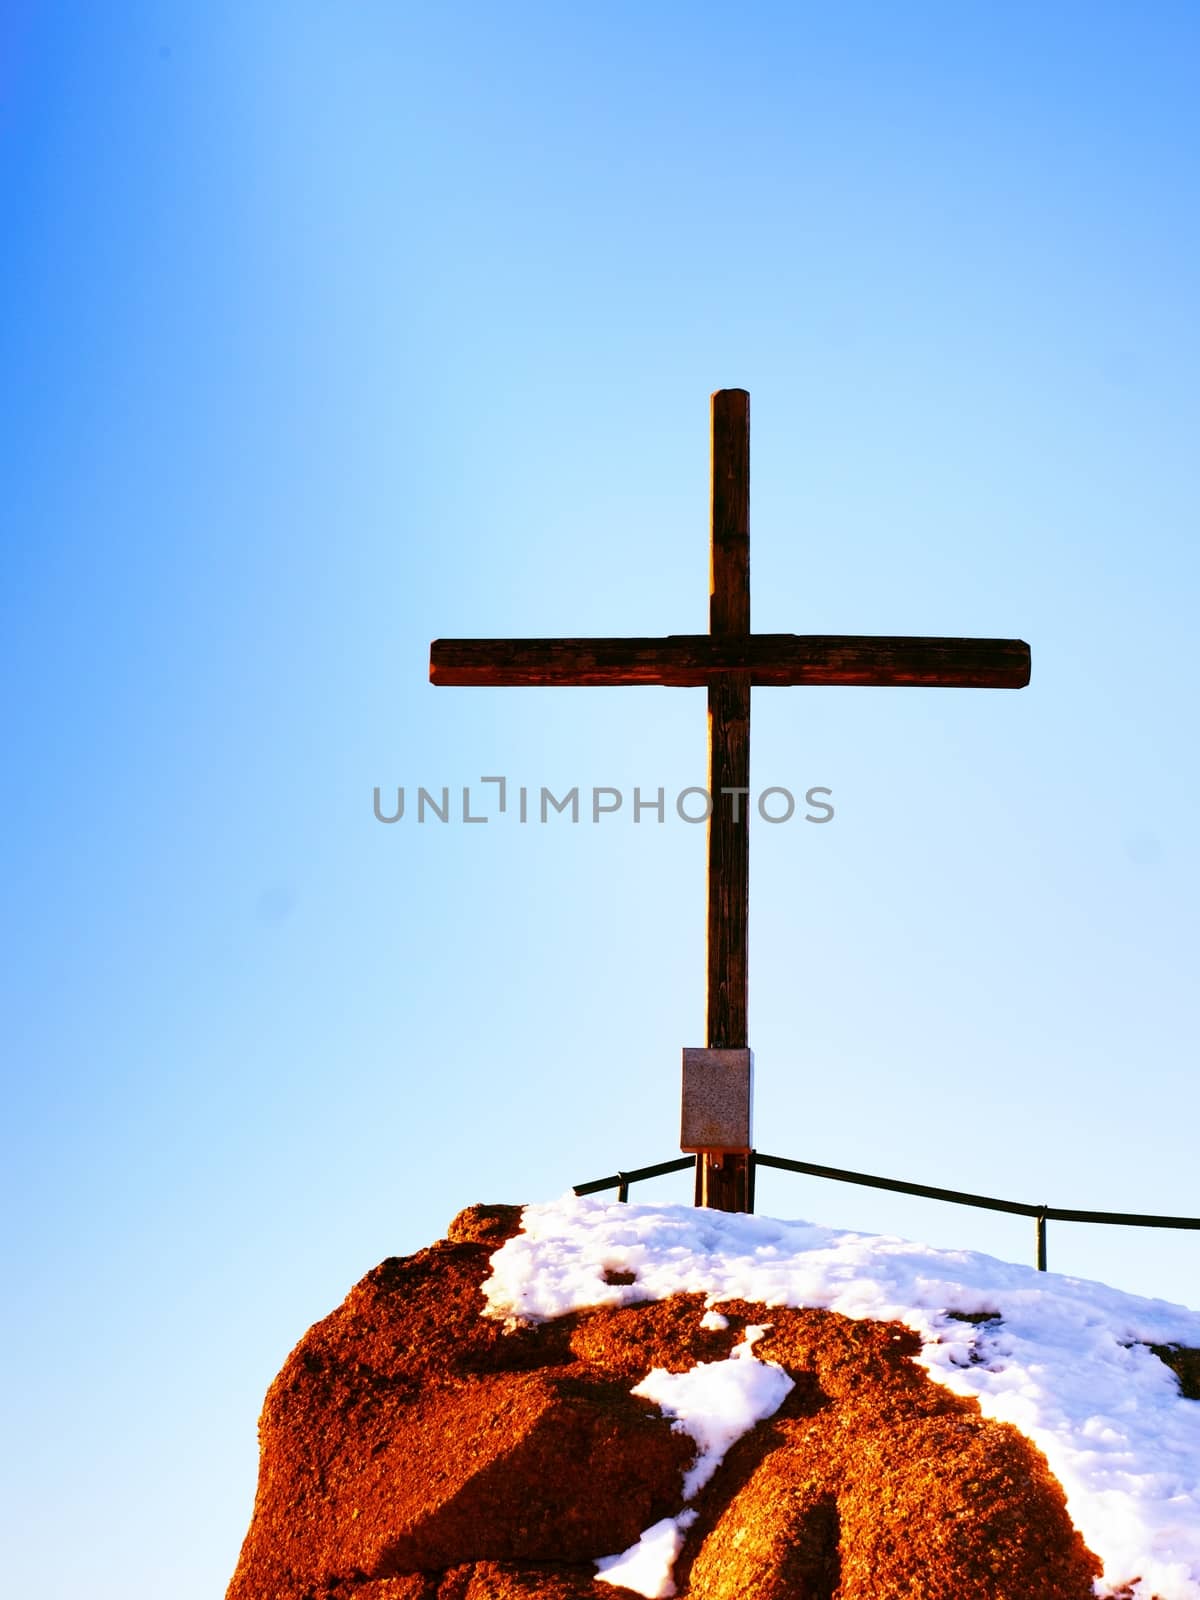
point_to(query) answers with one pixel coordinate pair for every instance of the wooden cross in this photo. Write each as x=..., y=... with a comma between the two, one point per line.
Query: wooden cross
x=728, y=660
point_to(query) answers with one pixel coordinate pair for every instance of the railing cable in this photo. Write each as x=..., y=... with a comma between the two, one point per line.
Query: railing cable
x=621, y=1181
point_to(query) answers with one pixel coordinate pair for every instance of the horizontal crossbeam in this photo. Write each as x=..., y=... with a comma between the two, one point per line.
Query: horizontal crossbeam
x=691, y=660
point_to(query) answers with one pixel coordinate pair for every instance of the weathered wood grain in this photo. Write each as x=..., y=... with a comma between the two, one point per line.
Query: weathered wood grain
x=722, y=1177
x=729, y=540
x=691, y=660
x=728, y=860
x=724, y=1180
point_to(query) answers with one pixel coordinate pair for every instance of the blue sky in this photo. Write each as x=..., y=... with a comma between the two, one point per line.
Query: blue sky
x=330, y=330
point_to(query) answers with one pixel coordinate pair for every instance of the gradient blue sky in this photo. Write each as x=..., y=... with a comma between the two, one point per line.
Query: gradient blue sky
x=326, y=330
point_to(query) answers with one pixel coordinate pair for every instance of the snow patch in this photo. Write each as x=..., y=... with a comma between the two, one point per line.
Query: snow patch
x=1063, y=1359
x=714, y=1403
x=646, y=1567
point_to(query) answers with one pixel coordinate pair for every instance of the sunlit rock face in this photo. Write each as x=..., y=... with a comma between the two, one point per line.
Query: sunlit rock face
x=414, y=1448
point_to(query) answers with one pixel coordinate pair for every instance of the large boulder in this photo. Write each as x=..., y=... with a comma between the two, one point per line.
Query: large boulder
x=413, y=1449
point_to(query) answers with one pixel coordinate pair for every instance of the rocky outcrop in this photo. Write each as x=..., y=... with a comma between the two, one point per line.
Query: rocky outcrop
x=414, y=1450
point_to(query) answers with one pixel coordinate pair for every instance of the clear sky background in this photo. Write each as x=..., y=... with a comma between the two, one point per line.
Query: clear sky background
x=326, y=330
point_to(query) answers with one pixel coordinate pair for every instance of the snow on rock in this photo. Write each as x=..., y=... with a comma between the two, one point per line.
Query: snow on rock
x=714, y=1403
x=646, y=1566
x=1064, y=1360
x=717, y=1402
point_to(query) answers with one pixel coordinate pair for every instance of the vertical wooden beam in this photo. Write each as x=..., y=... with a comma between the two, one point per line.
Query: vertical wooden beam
x=725, y=1180
x=723, y=1177
x=729, y=724
x=728, y=861
x=729, y=560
